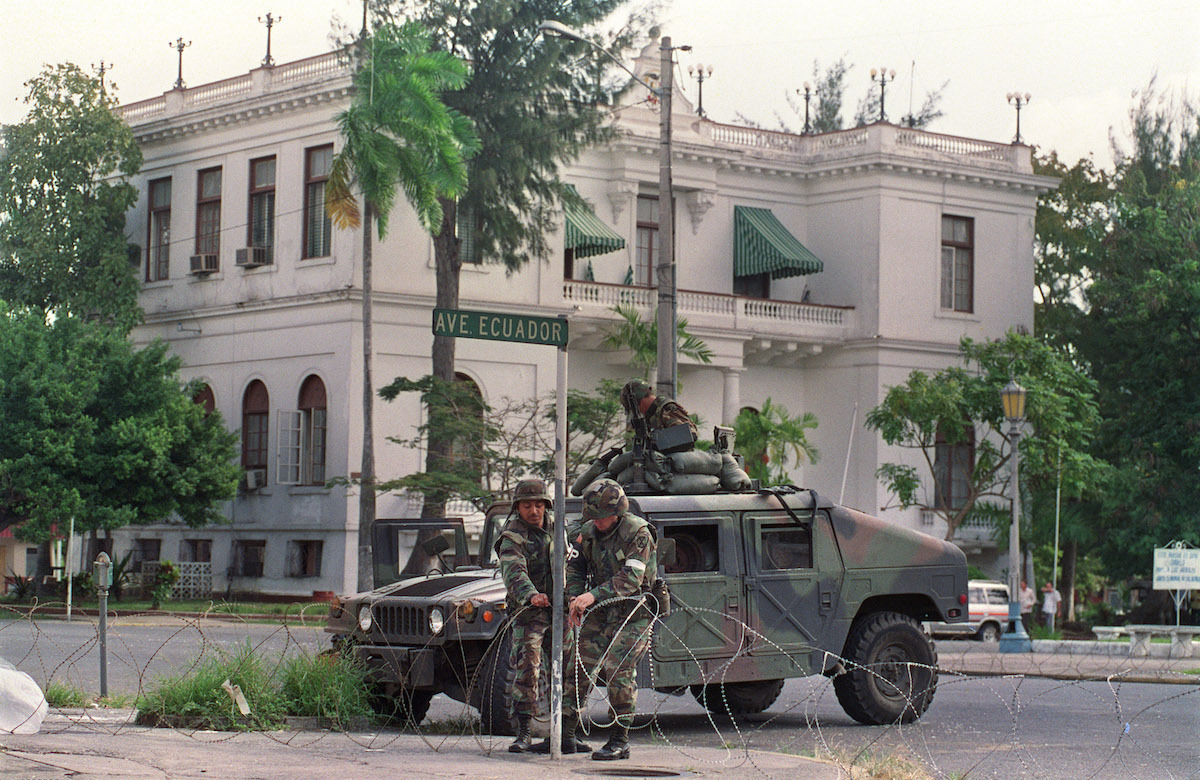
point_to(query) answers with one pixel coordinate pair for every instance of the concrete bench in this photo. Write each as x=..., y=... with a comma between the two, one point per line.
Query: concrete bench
x=1109, y=632
x=1181, y=639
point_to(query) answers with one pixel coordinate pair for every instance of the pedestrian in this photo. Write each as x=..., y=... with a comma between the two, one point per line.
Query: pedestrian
x=1028, y=600
x=1050, y=602
x=523, y=550
x=642, y=405
x=610, y=574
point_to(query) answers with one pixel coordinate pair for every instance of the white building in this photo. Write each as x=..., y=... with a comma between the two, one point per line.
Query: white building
x=921, y=238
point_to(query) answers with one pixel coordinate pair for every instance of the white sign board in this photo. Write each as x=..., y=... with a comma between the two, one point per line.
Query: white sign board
x=1176, y=568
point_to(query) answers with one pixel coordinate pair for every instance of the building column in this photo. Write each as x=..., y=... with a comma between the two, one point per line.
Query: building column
x=733, y=395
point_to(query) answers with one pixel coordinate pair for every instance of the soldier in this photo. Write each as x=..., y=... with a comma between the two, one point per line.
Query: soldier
x=640, y=403
x=613, y=565
x=523, y=550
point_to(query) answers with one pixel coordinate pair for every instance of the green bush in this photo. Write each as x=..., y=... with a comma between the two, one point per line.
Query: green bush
x=198, y=700
x=164, y=582
x=330, y=685
x=60, y=695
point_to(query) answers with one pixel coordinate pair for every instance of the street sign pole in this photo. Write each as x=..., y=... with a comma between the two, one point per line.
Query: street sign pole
x=559, y=549
x=548, y=331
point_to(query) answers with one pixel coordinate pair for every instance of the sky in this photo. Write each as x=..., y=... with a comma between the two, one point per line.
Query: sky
x=1079, y=62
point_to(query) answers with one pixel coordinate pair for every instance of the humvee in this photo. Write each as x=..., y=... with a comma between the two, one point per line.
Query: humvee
x=765, y=585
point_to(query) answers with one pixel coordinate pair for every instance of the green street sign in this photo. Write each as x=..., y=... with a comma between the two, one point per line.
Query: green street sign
x=500, y=327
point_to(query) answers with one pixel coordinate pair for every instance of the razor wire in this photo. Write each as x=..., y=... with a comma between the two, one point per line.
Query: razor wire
x=989, y=676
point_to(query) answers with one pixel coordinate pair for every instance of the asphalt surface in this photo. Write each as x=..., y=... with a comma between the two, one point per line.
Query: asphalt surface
x=105, y=743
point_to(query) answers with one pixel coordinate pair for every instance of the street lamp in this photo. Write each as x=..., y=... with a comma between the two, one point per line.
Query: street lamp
x=1018, y=100
x=668, y=368
x=885, y=76
x=700, y=73
x=808, y=93
x=1015, y=640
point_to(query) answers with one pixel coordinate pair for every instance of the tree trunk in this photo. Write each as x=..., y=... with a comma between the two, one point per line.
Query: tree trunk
x=366, y=491
x=448, y=265
x=1067, y=586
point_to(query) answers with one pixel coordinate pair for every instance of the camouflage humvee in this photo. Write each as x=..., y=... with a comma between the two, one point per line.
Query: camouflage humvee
x=765, y=585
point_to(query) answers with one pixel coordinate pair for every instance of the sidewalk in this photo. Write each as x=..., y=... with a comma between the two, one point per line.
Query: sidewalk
x=1069, y=660
x=82, y=744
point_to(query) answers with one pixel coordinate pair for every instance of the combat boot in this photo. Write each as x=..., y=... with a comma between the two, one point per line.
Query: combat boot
x=524, y=741
x=572, y=741
x=617, y=746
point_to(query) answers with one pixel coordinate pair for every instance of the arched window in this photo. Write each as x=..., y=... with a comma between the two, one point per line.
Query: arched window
x=204, y=397
x=256, y=410
x=466, y=453
x=302, y=435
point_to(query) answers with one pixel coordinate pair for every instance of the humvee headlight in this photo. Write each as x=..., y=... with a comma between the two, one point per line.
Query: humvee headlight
x=364, y=617
x=436, y=620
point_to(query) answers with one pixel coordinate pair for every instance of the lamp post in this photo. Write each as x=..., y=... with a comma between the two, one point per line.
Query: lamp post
x=884, y=76
x=1015, y=639
x=808, y=93
x=668, y=368
x=700, y=73
x=179, y=46
x=1018, y=100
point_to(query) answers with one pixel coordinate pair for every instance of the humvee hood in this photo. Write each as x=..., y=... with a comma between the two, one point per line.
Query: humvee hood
x=868, y=542
x=482, y=584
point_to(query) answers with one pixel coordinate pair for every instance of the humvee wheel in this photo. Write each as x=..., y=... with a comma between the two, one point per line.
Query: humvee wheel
x=489, y=688
x=400, y=706
x=890, y=672
x=739, y=698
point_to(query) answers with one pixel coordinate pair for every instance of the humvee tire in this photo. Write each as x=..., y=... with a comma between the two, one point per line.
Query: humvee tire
x=890, y=672
x=399, y=706
x=489, y=688
x=738, y=698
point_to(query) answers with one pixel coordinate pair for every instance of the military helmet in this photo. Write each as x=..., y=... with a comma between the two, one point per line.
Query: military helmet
x=604, y=498
x=532, y=490
x=634, y=391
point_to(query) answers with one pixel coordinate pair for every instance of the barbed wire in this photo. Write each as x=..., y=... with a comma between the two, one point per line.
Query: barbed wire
x=1082, y=680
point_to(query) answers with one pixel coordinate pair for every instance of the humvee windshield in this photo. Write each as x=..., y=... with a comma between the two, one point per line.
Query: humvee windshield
x=498, y=515
x=428, y=546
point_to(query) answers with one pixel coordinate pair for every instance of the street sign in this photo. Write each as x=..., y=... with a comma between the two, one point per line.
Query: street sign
x=496, y=326
x=1176, y=568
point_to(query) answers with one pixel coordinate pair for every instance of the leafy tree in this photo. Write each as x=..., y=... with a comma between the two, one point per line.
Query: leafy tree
x=64, y=193
x=398, y=134
x=829, y=88
x=961, y=402
x=535, y=105
x=770, y=438
x=1071, y=224
x=641, y=337
x=92, y=428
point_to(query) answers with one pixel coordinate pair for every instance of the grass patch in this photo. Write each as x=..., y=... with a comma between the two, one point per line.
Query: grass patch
x=62, y=695
x=199, y=700
x=332, y=686
x=329, y=686
x=877, y=765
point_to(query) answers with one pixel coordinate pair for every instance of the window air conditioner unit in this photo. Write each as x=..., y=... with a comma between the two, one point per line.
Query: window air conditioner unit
x=252, y=257
x=204, y=264
x=255, y=478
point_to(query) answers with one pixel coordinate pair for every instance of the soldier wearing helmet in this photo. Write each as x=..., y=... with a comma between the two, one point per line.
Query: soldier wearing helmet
x=611, y=569
x=523, y=550
x=640, y=403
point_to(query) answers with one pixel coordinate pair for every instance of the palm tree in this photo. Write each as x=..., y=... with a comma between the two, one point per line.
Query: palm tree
x=397, y=133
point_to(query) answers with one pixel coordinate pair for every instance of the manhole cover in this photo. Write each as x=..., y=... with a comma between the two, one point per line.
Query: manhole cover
x=632, y=771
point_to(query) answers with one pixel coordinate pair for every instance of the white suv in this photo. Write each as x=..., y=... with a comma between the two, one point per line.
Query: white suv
x=988, y=616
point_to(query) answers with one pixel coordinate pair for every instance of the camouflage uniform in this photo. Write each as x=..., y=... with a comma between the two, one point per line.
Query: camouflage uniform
x=619, y=566
x=662, y=413
x=524, y=554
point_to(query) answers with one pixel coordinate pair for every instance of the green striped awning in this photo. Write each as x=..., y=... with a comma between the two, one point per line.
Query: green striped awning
x=587, y=234
x=762, y=245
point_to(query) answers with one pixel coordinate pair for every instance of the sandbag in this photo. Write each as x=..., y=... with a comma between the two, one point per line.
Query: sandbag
x=593, y=473
x=620, y=463
x=683, y=484
x=22, y=703
x=732, y=475
x=696, y=462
